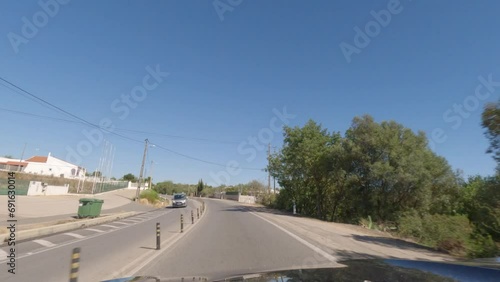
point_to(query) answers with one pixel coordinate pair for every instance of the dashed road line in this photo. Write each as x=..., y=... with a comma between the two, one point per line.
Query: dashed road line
x=44, y=243
x=131, y=220
x=95, y=230
x=107, y=225
x=119, y=222
x=78, y=236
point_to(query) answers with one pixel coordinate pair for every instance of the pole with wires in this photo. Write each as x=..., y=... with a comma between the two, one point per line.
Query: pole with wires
x=142, y=170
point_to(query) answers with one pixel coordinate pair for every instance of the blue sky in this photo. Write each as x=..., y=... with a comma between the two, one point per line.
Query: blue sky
x=226, y=76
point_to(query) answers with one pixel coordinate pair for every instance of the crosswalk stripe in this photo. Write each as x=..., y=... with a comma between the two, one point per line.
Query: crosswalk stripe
x=119, y=222
x=107, y=225
x=44, y=243
x=95, y=230
x=131, y=220
x=3, y=254
x=75, y=235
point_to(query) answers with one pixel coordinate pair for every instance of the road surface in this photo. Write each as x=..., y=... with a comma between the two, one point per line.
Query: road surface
x=229, y=239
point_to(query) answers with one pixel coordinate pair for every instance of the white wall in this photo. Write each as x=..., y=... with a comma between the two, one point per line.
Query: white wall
x=133, y=185
x=247, y=199
x=36, y=188
x=56, y=167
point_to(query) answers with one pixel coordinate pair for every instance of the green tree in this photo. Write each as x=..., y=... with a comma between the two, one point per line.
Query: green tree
x=200, y=187
x=491, y=122
x=300, y=168
x=129, y=177
x=481, y=202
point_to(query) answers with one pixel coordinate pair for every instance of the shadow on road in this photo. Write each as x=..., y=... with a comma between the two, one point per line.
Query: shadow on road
x=342, y=255
x=148, y=248
x=257, y=209
x=391, y=242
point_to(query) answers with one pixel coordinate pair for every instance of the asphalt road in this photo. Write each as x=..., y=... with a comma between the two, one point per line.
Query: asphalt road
x=107, y=251
x=229, y=239
x=232, y=240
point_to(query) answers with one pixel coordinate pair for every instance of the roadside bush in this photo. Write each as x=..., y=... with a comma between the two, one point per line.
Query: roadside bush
x=267, y=199
x=442, y=232
x=150, y=195
x=453, y=234
x=482, y=246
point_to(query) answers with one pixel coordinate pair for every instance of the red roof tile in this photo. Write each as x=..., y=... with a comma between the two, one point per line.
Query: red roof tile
x=37, y=159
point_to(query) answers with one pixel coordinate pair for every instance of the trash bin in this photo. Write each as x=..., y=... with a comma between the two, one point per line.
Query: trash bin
x=89, y=207
x=96, y=208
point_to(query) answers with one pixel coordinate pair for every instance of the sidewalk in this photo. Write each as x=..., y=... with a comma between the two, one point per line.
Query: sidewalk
x=44, y=209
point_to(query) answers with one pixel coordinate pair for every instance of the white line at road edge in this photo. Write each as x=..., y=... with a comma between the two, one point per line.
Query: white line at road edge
x=146, y=258
x=44, y=243
x=78, y=236
x=311, y=246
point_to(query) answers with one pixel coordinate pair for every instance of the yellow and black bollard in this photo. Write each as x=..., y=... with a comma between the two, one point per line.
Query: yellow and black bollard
x=192, y=217
x=182, y=224
x=197, y=213
x=75, y=265
x=157, y=235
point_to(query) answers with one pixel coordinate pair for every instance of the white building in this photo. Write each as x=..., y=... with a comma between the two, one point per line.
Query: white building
x=12, y=164
x=53, y=166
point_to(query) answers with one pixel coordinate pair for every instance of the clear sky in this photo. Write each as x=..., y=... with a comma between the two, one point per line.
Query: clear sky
x=230, y=66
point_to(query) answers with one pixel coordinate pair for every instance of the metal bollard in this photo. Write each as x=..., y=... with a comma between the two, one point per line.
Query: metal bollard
x=75, y=265
x=197, y=213
x=157, y=235
x=192, y=217
x=182, y=223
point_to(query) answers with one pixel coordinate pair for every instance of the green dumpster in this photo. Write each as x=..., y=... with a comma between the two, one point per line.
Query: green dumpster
x=89, y=207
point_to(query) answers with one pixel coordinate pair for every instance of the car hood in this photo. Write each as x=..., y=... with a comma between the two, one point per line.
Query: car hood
x=362, y=270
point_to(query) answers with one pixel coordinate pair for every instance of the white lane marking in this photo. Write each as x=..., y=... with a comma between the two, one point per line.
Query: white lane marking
x=95, y=230
x=107, y=225
x=44, y=243
x=119, y=222
x=131, y=220
x=78, y=236
x=2, y=259
x=142, y=261
x=3, y=254
x=311, y=246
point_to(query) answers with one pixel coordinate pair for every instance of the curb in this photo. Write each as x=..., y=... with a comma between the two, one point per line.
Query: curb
x=33, y=233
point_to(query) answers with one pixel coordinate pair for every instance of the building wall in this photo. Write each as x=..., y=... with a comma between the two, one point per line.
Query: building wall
x=55, y=167
x=38, y=188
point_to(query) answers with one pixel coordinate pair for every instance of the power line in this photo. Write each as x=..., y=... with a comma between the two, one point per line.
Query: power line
x=24, y=92
x=200, y=160
x=124, y=129
x=41, y=101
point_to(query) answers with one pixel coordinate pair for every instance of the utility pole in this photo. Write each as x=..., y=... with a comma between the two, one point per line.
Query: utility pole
x=274, y=178
x=151, y=174
x=142, y=170
x=268, y=164
x=22, y=156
